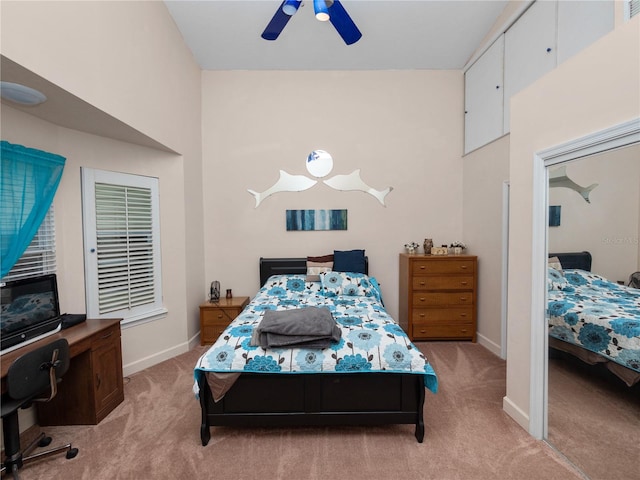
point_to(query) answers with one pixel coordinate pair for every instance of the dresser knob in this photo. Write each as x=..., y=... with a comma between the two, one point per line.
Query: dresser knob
x=464, y=283
x=422, y=267
x=463, y=315
x=463, y=267
x=421, y=315
x=422, y=284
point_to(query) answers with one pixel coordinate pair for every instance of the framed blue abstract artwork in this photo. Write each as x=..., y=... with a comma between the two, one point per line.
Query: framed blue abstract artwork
x=554, y=215
x=316, y=219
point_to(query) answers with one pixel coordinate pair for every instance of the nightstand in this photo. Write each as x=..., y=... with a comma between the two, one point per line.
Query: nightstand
x=215, y=317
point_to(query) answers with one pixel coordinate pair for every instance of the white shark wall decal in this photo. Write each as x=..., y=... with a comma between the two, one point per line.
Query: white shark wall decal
x=558, y=178
x=319, y=164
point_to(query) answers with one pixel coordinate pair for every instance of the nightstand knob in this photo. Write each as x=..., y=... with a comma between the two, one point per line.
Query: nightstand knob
x=464, y=283
x=422, y=267
x=463, y=267
x=422, y=284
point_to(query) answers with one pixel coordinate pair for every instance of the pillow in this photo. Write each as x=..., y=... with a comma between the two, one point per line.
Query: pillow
x=322, y=258
x=347, y=283
x=556, y=279
x=349, y=261
x=315, y=268
x=554, y=262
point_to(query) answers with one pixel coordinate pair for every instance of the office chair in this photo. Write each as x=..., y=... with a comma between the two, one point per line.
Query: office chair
x=32, y=375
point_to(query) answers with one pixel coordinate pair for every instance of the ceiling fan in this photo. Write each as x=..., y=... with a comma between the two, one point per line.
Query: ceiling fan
x=331, y=10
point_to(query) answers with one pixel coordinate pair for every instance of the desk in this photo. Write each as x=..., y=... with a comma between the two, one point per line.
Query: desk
x=93, y=385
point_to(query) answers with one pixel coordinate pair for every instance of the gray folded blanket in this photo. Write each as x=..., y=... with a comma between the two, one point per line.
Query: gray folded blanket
x=308, y=327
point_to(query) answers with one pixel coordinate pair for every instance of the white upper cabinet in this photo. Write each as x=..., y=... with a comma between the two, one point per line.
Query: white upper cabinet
x=580, y=23
x=529, y=50
x=483, y=97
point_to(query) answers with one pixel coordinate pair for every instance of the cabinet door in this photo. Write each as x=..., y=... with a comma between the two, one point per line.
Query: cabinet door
x=529, y=50
x=483, y=97
x=580, y=23
x=106, y=358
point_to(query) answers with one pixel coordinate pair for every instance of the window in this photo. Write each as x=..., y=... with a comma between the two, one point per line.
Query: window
x=40, y=256
x=122, y=246
x=631, y=8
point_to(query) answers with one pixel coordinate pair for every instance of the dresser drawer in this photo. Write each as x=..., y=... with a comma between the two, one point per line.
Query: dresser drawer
x=426, y=267
x=461, y=331
x=443, y=315
x=453, y=282
x=442, y=298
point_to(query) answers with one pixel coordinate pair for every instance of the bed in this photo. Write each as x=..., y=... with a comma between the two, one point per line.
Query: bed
x=593, y=318
x=373, y=376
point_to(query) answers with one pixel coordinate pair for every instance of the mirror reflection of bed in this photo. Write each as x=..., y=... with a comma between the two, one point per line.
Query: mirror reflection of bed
x=593, y=408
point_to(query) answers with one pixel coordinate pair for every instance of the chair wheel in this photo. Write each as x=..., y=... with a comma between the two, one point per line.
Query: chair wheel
x=72, y=453
x=44, y=442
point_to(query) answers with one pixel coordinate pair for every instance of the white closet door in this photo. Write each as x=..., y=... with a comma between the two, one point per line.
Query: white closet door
x=483, y=97
x=580, y=23
x=530, y=50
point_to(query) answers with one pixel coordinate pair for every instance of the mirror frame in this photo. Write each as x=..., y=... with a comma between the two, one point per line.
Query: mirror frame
x=618, y=136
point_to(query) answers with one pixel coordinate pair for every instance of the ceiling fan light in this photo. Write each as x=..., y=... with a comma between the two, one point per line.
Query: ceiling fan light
x=321, y=9
x=291, y=6
x=21, y=94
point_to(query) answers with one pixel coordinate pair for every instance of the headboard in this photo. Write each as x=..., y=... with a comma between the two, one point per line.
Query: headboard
x=581, y=260
x=282, y=266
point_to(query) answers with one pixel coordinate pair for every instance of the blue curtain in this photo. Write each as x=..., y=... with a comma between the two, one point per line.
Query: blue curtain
x=29, y=180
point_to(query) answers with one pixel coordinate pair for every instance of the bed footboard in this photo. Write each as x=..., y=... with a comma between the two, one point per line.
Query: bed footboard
x=316, y=399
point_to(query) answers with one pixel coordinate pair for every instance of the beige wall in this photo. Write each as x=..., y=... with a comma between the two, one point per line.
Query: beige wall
x=127, y=59
x=594, y=90
x=400, y=128
x=608, y=226
x=485, y=172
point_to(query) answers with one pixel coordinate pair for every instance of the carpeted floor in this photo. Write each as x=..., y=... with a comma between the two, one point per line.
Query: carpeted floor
x=594, y=418
x=154, y=434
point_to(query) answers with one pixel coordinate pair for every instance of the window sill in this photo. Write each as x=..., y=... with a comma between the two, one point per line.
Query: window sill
x=146, y=317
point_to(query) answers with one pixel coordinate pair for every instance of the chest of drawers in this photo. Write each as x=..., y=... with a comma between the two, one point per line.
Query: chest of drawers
x=438, y=296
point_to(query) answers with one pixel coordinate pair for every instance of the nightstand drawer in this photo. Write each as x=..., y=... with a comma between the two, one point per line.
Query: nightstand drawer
x=212, y=332
x=219, y=316
x=443, y=315
x=462, y=331
x=426, y=267
x=444, y=298
x=454, y=282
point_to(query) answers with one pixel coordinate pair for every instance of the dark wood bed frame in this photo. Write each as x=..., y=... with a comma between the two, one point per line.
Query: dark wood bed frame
x=313, y=399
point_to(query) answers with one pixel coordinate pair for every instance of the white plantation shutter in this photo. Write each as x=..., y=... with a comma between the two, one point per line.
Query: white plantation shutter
x=40, y=256
x=122, y=254
x=124, y=235
x=632, y=8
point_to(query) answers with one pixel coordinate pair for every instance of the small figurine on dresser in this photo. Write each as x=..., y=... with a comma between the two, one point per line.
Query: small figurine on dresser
x=428, y=243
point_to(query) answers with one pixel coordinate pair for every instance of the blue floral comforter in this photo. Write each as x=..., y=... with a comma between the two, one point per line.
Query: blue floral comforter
x=371, y=340
x=588, y=310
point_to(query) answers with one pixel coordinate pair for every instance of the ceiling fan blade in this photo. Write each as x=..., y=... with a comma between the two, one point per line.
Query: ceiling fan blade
x=342, y=22
x=277, y=23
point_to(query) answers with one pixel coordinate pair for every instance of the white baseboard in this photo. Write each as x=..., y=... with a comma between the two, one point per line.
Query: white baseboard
x=489, y=344
x=516, y=413
x=154, y=359
x=158, y=357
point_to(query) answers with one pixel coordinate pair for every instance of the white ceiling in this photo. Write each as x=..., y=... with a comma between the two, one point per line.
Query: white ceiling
x=396, y=34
